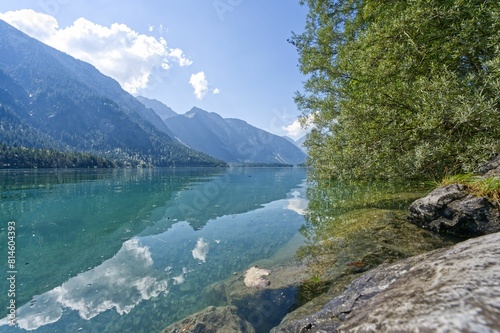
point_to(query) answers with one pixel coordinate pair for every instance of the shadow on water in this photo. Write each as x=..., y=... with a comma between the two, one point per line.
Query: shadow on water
x=266, y=309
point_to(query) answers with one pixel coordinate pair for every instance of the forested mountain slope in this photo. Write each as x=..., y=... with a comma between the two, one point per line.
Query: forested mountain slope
x=60, y=102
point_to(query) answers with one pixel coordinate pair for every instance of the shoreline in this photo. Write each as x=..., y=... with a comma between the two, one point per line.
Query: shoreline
x=357, y=261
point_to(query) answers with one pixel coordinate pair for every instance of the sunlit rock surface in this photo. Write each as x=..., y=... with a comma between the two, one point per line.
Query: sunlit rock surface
x=447, y=290
x=452, y=210
x=213, y=320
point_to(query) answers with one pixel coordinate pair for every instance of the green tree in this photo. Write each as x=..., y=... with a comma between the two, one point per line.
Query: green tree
x=400, y=88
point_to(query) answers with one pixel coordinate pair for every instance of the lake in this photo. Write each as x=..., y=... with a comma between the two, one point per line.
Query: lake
x=131, y=250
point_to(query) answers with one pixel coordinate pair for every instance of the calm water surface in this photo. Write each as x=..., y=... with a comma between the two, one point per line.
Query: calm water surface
x=132, y=250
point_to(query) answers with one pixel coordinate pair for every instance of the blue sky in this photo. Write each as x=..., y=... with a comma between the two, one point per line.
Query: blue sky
x=226, y=56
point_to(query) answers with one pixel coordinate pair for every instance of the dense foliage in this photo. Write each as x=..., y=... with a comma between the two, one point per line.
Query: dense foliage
x=262, y=165
x=23, y=158
x=400, y=88
x=123, y=149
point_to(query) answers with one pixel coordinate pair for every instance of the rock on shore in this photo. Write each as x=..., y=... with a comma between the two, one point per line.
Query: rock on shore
x=491, y=169
x=453, y=210
x=456, y=289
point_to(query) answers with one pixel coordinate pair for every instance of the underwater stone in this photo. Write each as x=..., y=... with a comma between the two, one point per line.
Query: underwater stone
x=254, y=277
x=212, y=320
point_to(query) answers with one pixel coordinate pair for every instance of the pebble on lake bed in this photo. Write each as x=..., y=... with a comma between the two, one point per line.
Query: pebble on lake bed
x=254, y=277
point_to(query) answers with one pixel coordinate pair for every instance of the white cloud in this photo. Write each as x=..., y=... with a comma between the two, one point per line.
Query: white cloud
x=296, y=130
x=200, y=84
x=178, y=54
x=215, y=91
x=117, y=51
x=151, y=28
x=39, y=26
x=161, y=29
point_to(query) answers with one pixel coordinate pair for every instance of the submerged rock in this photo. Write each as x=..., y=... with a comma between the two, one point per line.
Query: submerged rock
x=264, y=308
x=449, y=290
x=212, y=320
x=452, y=210
x=254, y=277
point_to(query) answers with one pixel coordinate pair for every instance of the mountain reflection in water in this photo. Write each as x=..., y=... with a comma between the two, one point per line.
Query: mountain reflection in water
x=68, y=229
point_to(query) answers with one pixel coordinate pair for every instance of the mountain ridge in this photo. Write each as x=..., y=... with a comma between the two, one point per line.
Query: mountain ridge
x=162, y=110
x=231, y=139
x=79, y=108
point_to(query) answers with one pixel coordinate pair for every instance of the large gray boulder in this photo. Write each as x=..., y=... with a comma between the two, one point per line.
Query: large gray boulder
x=453, y=210
x=448, y=290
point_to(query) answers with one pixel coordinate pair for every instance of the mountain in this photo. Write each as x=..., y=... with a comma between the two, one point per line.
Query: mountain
x=65, y=103
x=148, y=114
x=232, y=140
x=300, y=143
x=159, y=108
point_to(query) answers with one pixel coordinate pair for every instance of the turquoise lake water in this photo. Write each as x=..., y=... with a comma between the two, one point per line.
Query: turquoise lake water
x=131, y=250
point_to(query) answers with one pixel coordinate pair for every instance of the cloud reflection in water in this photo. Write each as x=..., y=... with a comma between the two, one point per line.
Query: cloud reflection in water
x=119, y=283
x=297, y=204
x=201, y=250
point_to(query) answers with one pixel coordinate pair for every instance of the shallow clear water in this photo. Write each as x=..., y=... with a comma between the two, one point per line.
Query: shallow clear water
x=132, y=250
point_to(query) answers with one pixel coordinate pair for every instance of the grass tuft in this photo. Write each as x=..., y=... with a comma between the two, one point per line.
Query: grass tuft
x=480, y=186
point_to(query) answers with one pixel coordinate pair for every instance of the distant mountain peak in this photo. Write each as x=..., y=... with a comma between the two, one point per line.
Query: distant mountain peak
x=197, y=109
x=161, y=109
x=194, y=111
x=197, y=112
x=232, y=140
